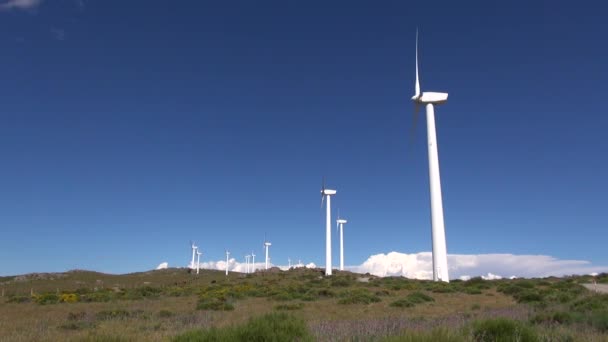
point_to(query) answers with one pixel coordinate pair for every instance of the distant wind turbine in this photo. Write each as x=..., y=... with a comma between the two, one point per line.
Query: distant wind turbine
x=247, y=263
x=253, y=262
x=440, y=255
x=340, y=224
x=194, y=247
x=198, y=260
x=227, y=255
x=266, y=246
x=327, y=193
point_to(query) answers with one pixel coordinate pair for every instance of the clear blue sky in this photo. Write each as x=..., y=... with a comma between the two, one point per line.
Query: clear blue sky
x=128, y=128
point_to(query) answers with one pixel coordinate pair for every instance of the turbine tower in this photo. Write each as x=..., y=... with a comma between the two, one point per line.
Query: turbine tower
x=227, y=255
x=266, y=245
x=194, y=248
x=198, y=260
x=252, y=262
x=429, y=99
x=247, y=257
x=340, y=222
x=327, y=193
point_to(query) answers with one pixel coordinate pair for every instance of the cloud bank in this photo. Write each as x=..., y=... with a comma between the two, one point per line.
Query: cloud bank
x=19, y=4
x=461, y=266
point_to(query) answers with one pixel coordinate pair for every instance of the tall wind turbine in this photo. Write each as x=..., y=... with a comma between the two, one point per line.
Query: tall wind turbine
x=428, y=99
x=340, y=222
x=327, y=193
x=227, y=255
x=252, y=262
x=198, y=260
x=266, y=245
x=247, y=257
x=194, y=247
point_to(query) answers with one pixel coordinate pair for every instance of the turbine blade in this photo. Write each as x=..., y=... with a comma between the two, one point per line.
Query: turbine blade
x=417, y=78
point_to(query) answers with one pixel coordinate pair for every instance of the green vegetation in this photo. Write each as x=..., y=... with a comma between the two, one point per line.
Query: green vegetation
x=300, y=304
x=270, y=327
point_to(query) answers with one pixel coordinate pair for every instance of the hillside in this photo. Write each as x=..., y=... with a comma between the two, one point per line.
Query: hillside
x=173, y=304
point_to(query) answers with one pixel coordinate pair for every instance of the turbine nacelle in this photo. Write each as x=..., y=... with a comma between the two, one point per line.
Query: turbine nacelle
x=341, y=221
x=328, y=192
x=430, y=97
x=267, y=244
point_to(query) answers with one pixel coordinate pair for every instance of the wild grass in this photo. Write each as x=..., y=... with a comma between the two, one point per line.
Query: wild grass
x=162, y=305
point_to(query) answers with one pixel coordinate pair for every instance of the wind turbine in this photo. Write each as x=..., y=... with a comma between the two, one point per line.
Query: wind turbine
x=247, y=262
x=227, y=255
x=327, y=193
x=252, y=262
x=194, y=248
x=288, y=263
x=340, y=224
x=428, y=99
x=198, y=260
x=266, y=245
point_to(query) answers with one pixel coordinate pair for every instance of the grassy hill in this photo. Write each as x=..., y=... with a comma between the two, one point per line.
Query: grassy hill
x=299, y=304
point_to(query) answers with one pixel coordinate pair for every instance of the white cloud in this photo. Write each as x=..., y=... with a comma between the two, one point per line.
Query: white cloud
x=162, y=266
x=19, y=4
x=463, y=266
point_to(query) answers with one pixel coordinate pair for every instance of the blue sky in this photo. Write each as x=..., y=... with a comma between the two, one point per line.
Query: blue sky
x=128, y=129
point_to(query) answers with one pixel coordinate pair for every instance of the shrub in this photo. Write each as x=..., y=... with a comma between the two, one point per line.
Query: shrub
x=214, y=304
x=165, y=314
x=46, y=298
x=419, y=297
x=76, y=316
x=502, y=329
x=99, y=296
x=402, y=303
x=270, y=327
x=19, y=299
x=599, y=320
x=69, y=298
x=79, y=325
x=358, y=296
x=112, y=314
x=294, y=306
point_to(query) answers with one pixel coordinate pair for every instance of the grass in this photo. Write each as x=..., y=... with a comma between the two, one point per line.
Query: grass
x=172, y=304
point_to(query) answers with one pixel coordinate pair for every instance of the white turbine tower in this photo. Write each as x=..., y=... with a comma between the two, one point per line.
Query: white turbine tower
x=194, y=248
x=227, y=255
x=340, y=223
x=198, y=260
x=247, y=263
x=440, y=255
x=252, y=262
x=266, y=245
x=327, y=193
x=288, y=263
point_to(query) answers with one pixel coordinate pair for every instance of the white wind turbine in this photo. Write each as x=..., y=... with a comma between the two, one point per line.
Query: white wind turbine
x=198, y=260
x=327, y=193
x=440, y=256
x=247, y=257
x=252, y=262
x=227, y=255
x=340, y=224
x=266, y=245
x=194, y=248
x=288, y=263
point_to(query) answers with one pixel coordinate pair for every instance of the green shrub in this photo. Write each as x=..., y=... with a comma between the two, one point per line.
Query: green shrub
x=214, y=304
x=46, y=298
x=402, y=303
x=358, y=296
x=78, y=325
x=599, y=320
x=99, y=296
x=165, y=313
x=270, y=327
x=502, y=330
x=294, y=306
x=436, y=335
x=69, y=298
x=419, y=297
x=19, y=299
x=112, y=314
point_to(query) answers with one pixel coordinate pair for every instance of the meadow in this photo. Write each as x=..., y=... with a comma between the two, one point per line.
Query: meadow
x=296, y=305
